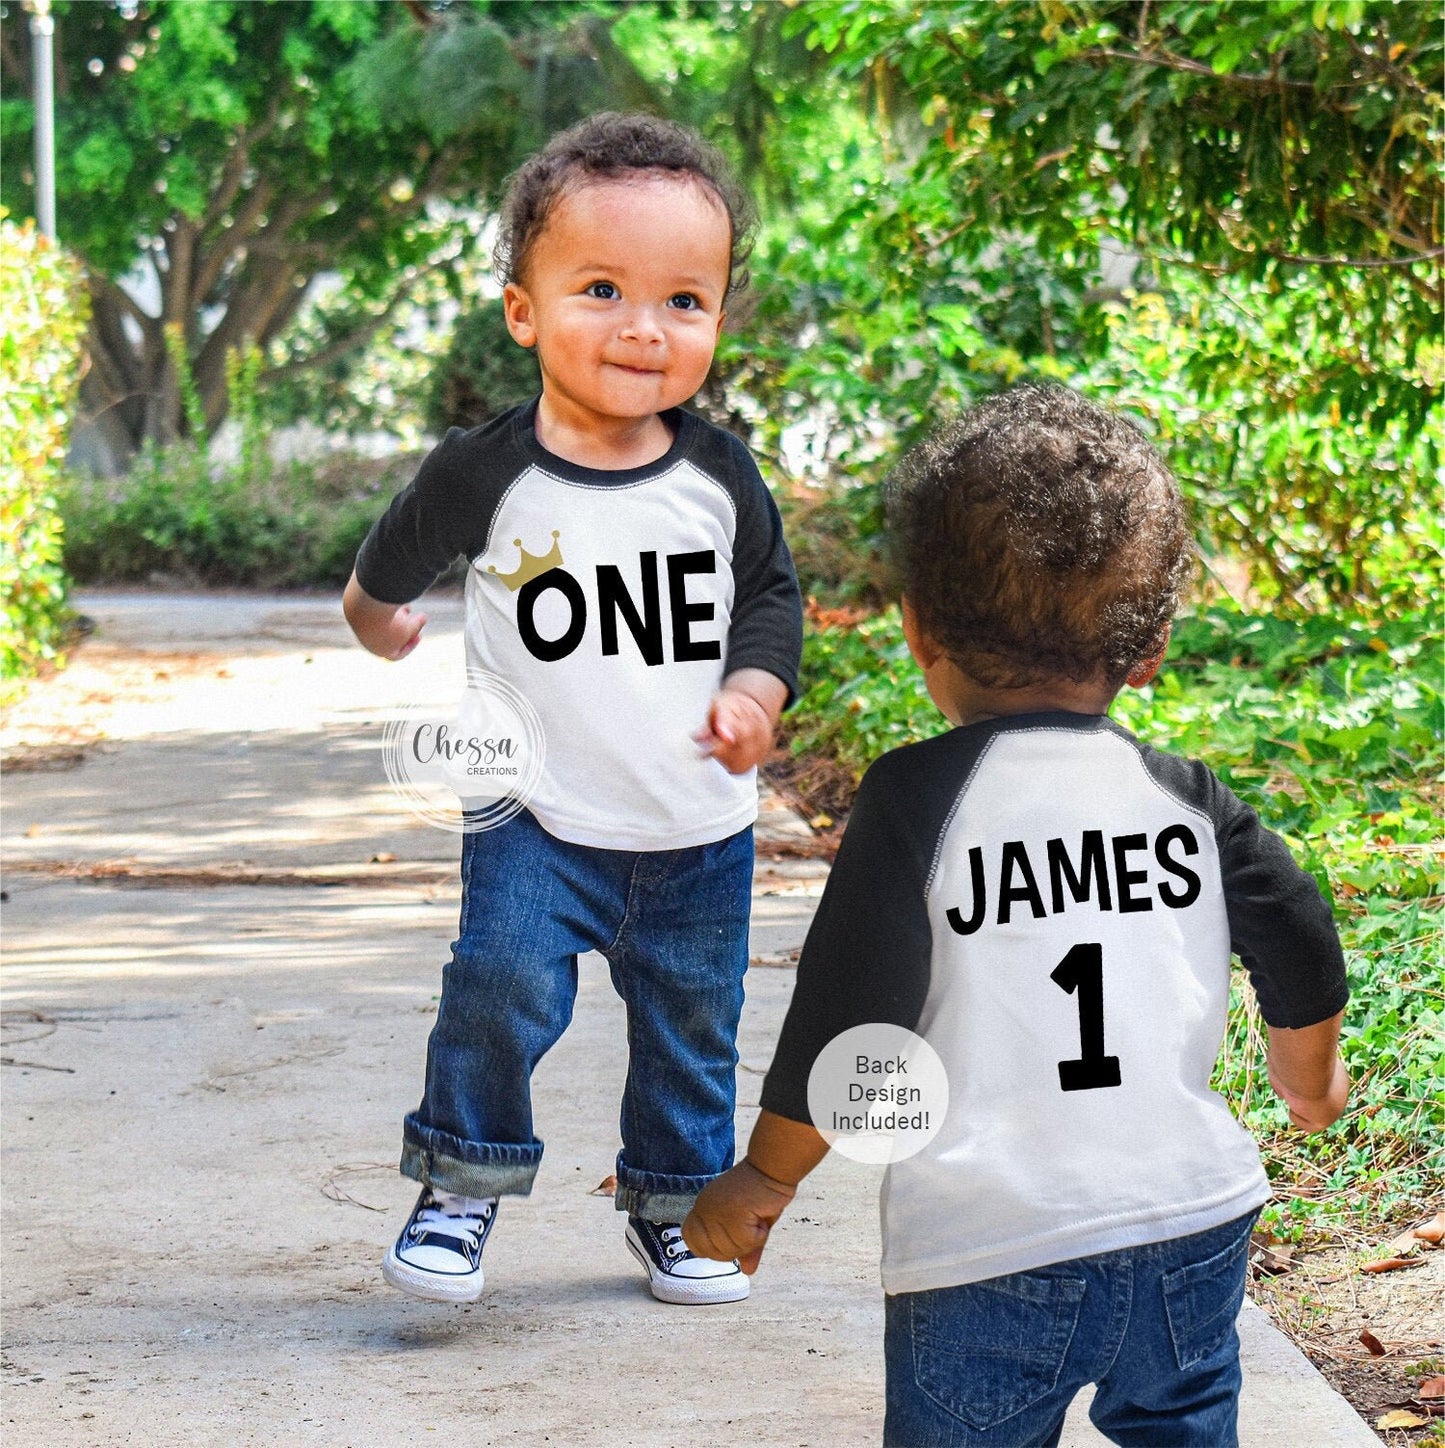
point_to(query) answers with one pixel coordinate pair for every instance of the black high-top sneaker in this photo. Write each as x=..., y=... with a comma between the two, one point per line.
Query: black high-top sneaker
x=675, y=1274
x=439, y=1252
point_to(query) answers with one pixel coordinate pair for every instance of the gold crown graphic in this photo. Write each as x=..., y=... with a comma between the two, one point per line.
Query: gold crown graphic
x=533, y=565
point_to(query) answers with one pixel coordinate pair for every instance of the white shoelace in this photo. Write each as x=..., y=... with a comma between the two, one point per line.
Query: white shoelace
x=672, y=1237
x=464, y=1218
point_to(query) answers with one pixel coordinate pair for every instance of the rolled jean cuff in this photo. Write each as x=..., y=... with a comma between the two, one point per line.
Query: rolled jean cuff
x=469, y=1168
x=655, y=1196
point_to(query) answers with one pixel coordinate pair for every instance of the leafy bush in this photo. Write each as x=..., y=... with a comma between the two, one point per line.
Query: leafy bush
x=483, y=374
x=1089, y=193
x=1331, y=728
x=246, y=522
x=836, y=538
x=273, y=527
x=42, y=323
x=1325, y=509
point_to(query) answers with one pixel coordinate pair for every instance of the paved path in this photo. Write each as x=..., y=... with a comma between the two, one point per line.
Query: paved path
x=207, y=1055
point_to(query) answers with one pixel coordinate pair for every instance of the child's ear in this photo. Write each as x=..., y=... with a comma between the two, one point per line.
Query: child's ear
x=1145, y=669
x=518, y=309
x=925, y=651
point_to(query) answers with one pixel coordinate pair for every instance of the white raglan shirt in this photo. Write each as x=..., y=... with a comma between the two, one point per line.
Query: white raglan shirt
x=995, y=887
x=616, y=602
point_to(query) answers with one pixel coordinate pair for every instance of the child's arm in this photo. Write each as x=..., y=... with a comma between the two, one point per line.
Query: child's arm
x=742, y=717
x=734, y=1214
x=1307, y=1074
x=388, y=629
x=765, y=629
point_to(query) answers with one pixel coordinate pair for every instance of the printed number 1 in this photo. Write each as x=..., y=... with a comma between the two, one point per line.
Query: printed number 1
x=1082, y=969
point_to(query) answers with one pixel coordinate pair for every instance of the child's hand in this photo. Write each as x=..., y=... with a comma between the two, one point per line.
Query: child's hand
x=1307, y=1074
x=1314, y=1113
x=734, y=1214
x=389, y=630
x=401, y=634
x=741, y=719
x=738, y=733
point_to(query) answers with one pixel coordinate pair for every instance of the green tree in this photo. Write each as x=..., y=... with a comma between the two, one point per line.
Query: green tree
x=1271, y=170
x=1262, y=141
x=241, y=149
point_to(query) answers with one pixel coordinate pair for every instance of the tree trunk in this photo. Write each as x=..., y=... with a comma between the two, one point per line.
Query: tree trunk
x=250, y=270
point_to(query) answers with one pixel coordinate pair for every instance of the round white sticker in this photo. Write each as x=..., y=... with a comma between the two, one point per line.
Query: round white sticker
x=878, y=1093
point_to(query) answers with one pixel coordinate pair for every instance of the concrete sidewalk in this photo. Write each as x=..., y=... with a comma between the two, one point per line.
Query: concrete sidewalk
x=204, y=1081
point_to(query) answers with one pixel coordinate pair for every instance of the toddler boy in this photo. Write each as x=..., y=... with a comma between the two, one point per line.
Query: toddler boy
x=628, y=574
x=1052, y=905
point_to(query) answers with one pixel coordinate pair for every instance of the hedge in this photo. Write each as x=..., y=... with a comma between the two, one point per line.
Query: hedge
x=43, y=314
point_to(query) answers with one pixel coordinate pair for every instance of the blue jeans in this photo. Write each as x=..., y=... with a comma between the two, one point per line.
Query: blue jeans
x=995, y=1364
x=673, y=925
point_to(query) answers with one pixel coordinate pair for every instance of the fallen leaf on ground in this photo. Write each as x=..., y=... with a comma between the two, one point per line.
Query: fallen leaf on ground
x=382, y=857
x=1391, y=1264
x=1271, y=1257
x=1401, y=1418
x=821, y=822
x=607, y=1187
x=1432, y=1388
x=1376, y=1348
x=1433, y=1230
x=1405, y=1242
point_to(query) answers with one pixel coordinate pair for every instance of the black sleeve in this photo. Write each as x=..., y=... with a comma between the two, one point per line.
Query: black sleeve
x=766, y=629
x=868, y=953
x=1280, y=924
x=432, y=520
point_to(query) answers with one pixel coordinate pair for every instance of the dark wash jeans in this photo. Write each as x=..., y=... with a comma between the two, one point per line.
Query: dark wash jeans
x=995, y=1364
x=673, y=925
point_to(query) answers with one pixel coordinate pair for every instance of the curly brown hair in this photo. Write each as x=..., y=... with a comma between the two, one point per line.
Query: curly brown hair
x=1039, y=537
x=615, y=146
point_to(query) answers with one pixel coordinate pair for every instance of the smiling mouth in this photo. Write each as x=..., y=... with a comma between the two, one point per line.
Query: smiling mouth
x=636, y=371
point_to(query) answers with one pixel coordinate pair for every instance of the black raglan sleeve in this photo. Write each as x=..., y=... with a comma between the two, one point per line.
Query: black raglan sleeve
x=1280, y=924
x=432, y=520
x=868, y=954
x=766, y=629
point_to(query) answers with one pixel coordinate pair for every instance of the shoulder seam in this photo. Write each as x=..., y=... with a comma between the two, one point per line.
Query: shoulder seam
x=551, y=477
x=1136, y=748
x=1132, y=745
x=948, y=819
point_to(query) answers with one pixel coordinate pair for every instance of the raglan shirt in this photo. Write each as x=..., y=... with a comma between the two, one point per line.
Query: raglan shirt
x=615, y=602
x=999, y=888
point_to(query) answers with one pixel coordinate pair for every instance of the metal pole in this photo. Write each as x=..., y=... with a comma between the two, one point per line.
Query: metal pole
x=42, y=32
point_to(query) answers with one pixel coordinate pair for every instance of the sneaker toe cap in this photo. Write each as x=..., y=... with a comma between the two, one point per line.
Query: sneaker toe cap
x=701, y=1268
x=440, y=1260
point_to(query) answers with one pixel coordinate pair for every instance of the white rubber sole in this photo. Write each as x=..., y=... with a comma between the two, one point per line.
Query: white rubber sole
x=433, y=1286
x=691, y=1291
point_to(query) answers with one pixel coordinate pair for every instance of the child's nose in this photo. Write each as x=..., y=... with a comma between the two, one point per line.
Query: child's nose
x=642, y=324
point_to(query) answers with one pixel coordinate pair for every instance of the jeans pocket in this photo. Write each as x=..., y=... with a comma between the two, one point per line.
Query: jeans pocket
x=988, y=1350
x=1202, y=1300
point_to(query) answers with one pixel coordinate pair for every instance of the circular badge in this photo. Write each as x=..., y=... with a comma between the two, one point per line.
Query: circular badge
x=473, y=768
x=878, y=1093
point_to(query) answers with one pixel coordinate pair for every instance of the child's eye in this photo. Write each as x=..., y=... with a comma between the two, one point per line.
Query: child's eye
x=603, y=291
x=685, y=302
